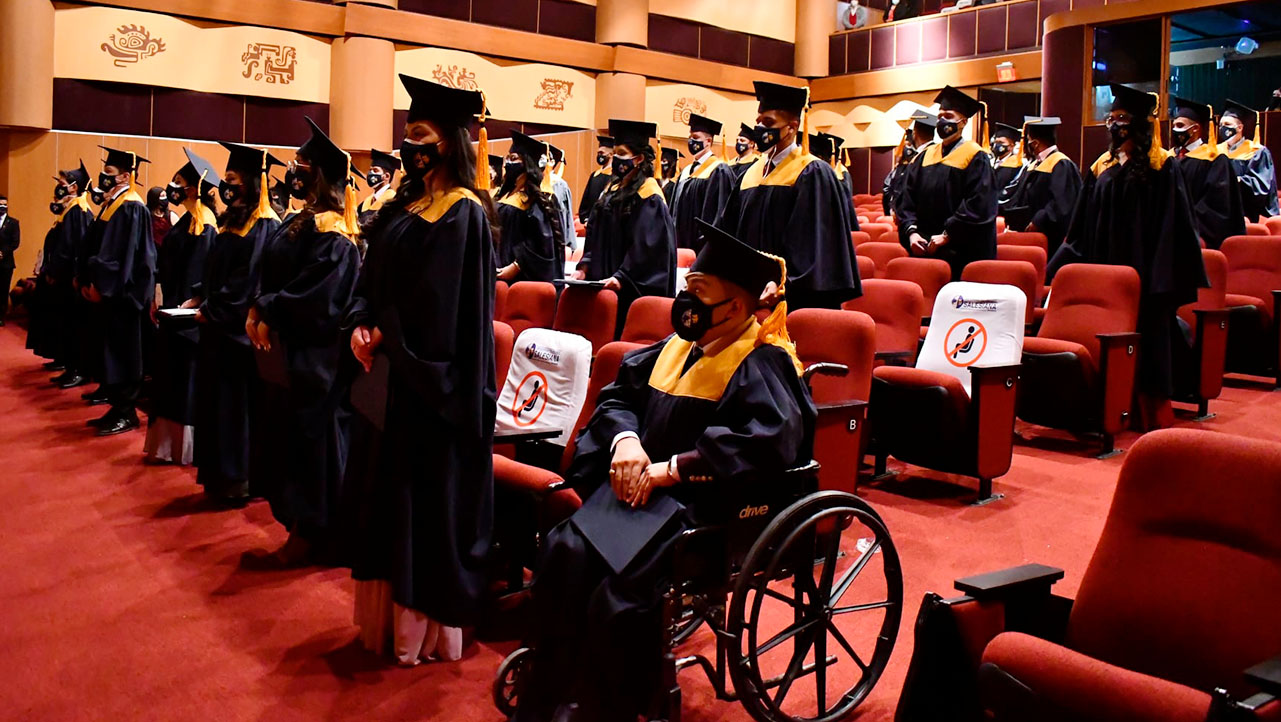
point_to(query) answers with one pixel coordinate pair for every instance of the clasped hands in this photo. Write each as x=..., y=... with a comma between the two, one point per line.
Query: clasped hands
x=920, y=246
x=633, y=477
x=364, y=342
x=258, y=331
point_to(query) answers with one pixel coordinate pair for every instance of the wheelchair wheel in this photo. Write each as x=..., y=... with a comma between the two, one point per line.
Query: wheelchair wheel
x=507, y=681
x=820, y=595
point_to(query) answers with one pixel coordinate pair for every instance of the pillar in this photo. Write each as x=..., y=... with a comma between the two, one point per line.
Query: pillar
x=622, y=22
x=362, y=78
x=619, y=95
x=815, y=23
x=26, y=63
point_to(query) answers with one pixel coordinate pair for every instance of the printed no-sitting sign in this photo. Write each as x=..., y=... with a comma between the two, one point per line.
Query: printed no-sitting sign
x=965, y=342
x=530, y=400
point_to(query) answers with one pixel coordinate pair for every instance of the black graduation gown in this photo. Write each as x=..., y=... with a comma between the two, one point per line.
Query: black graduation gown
x=1212, y=189
x=637, y=246
x=227, y=385
x=305, y=287
x=699, y=195
x=739, y=416
x=53, y=329
x=1045, y=197
x=847, y=181
x=597, y=182
x=420, y=490
x=669, y=190
x=369, y=207
x=740, y=165
x=1257, y=177
x=798, y=212
x=1005, y=174
x=180, y=265
x=951, y=189
x=527, y=239
x=1142, y=219
x=124, y=272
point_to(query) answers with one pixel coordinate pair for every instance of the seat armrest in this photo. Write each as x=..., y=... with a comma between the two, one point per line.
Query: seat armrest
x=993, y=397
x=1118, y=361
x=1266, y=676
x=1015, y=581
x=894, y=358
x=1211, y=350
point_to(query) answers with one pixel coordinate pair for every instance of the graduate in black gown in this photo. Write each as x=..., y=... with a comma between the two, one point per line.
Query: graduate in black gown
x=420, y=473
x=1251, y=160
x=827, y=148
x=791, y=205
x=718, y=405
x=948, y=206
x=703, y=186
x=180, y=265
x=120, y=282
x=308, y=271
x=669, y=173
x=1134, y=211
x=531, y=244
x=918, y=137
x=632, y=244
x=496, y=163
x=383, y=167
x=227, y=384
x=745, y=152
x=598, y=180
x=1007, y=159
x=1046, y=194
x=59, y=318
x=1208, y=175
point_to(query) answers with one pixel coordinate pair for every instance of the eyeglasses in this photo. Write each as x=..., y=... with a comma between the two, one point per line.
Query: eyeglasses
x=1124, y=119
x=293, y=166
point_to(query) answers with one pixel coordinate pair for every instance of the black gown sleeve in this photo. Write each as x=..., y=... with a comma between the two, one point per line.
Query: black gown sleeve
x=1258, y=176
x=126, y=241
x=1218, y=210
x=978, y=207
x=1065, y=187
x=649, y=264
x=1077, y=246
x=821, y=263
x=227, y=306
x=195, y=266
x=716, y=196
x=619, y=407
x=312, y=302
x=534, y=248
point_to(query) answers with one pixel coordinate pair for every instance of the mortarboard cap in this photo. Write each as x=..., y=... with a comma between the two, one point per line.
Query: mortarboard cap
x=440, y=103
x=199, y=171
x=325, y=154
x=125, y=160
x=1135, y=102
x=670, y=155
x=747, y=131
x=527, y=146
x=1241, y=112
x=79, y=176
x=558, y=154
x=248, y=159
x=496, y=162
x=1001, y=130
x=821, y=146
x=1041, y=127
x=926, y=120
x=837, y=141
x=729, y=259
x=386, y=161
x=605, y=141
x=632, y=133
x=1190, y=109
x=772, y=96
x=950, y=98
x=703, y=123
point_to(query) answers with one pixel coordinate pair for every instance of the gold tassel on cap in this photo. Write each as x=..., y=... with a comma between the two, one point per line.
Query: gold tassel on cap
x=482, y=149
x=1156, y=156
x=658, y=163
x=805, y=124
x=984, y=138
x=1212, y=136
x=1257, y=122
x=773, y=329
x=198, y=213
x=349, y=217
x=546, y=186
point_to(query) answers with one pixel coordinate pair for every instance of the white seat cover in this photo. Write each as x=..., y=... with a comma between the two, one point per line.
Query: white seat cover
x=974, y=324
x=546, y=384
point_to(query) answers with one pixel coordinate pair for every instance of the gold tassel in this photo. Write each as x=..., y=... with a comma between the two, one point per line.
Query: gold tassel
x=986, y=139
x=482, y=149
x=1156, y=156
x=658, y=164
x=546, y=186
x=773, y=330
x=264, y=209
x=1258, y=118
x=724, y=147
x=198, y=213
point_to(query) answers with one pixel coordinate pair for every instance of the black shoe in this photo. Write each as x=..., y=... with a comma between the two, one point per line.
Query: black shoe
x=54, y=366
x=105, y=420
x=87, y=394
x=62, y=378
x=119, y=425
x=71, y=382
x=97, y=398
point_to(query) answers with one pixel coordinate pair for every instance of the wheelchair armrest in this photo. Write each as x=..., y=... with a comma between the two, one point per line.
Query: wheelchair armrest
x=1022, y=580
x=824, y=369
x=1266, y=676
x=1117, y=365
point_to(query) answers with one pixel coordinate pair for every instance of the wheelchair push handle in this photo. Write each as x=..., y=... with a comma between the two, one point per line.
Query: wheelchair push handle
x=824, y=369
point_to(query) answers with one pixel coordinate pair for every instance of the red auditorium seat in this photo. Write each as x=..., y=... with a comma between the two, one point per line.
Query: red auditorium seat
x=858, y=238
x=1023, y=238
x=1078, y=371
x=896, y=307
x=1000, y=224
x=876, y=230
x=930, y=274
x=848, y=338
x=1175, y=618
x=1254, y=280
x=685, y=257
x=1198, y=375
x=1257, y=229
x=530, y=304
x=1273, y=225
x=1020, y=274
x=589, y=312
x=888, y=220
x=866, y=267
x=882, y=254
x=500, y=300
x=649, y=320
x=865, y=199
x=1036, y=257
x=504, y=342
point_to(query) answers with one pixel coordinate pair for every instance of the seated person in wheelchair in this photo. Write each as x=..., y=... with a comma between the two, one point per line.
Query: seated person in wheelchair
x=717, y=405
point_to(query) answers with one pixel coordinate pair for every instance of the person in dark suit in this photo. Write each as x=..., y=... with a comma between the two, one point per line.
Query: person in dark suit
x=10, y=238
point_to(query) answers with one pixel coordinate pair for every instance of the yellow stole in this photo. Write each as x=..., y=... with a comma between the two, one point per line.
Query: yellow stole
x=785, y=174
x=81, y=202
x=960, y=156
x=118, y=201
x=432, y=209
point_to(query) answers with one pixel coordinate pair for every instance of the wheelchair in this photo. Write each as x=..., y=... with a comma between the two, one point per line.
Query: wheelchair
x=799, y=587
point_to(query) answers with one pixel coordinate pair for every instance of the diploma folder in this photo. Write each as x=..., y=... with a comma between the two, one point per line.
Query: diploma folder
x=617, y=531
x=273, y=365
x=177, y=318
x=369, y=391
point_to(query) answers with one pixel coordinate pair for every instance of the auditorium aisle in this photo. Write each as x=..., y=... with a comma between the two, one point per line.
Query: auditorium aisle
x=123, y=599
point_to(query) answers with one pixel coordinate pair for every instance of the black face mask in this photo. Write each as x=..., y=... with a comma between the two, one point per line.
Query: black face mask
x=299, y=183
x=695, y=146
x=767, y=138
x=60, y=191
x=374, y=179
x=513, y=169
x=177, y=194
x=623, y=166
x=948, y=128
x=1000, y=149
x=410, y=152
x=97, y=196
x=667, y=167
x=55, y=208
x=601, y=159
x=908, y=153
x=691, y=317
x=740, y=148
x=1120, y=133
x=231, y=193
x=106, y=182
x=1227, y=133
x=1179, y=137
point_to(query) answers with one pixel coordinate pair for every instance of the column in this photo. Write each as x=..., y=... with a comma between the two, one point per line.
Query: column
x=362, y=79
x=815, y=23
x=26, y=63
x=622, y=22
x=619, y=95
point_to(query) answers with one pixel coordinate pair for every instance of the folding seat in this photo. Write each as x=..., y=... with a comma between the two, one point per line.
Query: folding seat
x=530, y=304
x=863, y=219
x=1036, y=257
x=1024, y=238
x=649, y=320
x=877, y=230
x=930, y=274
x=589, y=312
x=504, y=342
x=1273, y=225
x=1000, y=224
x=1256, y=229
x=1254, y=280
x=858, y=238
x=1078, y=371
x=866, y=267
x=954, y=412
x=1175, y=618
x=500, y=299
x=1198, y=371
x=847, y=338
x=887, y=220
x=882, y=254
x=862, y=199
x=896, y=307
x=1019, y=274
x=685, y=257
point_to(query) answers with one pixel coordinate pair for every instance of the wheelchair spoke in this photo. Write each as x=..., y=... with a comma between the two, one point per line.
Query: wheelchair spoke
x=852, y=573
x=779, y=596
x=785, y=635
x=793, y=670
x=840, y=639
x=820, y=671
x=862, y=607
x=829, y=560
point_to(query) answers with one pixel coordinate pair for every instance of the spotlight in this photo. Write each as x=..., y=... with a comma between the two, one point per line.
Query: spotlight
x=1247, y=45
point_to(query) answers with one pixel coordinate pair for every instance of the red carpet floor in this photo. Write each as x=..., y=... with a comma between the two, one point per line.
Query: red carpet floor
x=123, y=598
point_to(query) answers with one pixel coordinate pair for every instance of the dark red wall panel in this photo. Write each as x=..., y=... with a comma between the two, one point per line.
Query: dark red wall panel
x=199, y=116
x=907, y=43
x=858, y=168
x=1062, y=80
x=991, y=36
x=772, y=56
x=934, y=39
x=836, y=54
x=566, y=19
x=859, y=52
x=280, y=122
x=960, y=35
x=882, y=48
x=1048, y=8
x=723, y=46
x=101, y=107
x=1024, y=31
x=515, y=14
x=456, y=9
x=669, y=35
